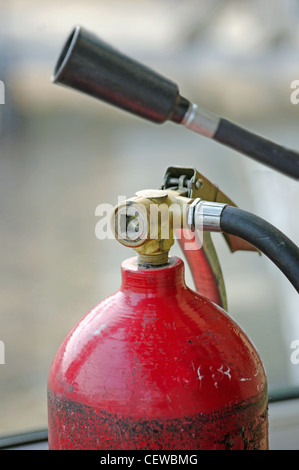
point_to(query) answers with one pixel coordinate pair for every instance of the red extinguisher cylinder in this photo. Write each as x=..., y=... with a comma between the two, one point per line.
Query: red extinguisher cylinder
x=157, y=366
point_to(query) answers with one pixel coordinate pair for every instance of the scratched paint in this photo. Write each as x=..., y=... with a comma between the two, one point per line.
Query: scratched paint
x=76, y=426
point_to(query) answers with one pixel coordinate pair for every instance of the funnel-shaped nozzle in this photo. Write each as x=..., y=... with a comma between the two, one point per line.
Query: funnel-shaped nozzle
x=92, y=66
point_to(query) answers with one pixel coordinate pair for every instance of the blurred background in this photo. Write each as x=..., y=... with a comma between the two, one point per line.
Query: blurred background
x=62, y=154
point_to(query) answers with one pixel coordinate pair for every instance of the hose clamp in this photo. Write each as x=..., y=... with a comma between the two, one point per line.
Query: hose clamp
x=205, y=215
x=201, y=121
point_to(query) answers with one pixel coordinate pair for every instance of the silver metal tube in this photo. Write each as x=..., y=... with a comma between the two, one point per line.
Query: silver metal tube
x=205, y=215
x=201, y=121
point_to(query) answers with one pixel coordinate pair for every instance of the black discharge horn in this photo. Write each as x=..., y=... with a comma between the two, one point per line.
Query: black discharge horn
x=92, y=66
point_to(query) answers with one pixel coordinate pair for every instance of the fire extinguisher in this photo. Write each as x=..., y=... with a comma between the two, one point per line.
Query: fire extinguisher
x=158, y=365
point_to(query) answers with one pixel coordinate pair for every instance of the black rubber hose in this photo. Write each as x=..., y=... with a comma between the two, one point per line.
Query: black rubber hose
x=262, y=150
x=264, y=236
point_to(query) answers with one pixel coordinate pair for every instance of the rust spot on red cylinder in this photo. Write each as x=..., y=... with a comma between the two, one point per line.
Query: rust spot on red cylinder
x=76, y=426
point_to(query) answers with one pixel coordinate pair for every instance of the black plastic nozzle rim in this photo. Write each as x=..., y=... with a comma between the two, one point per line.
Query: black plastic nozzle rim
x=92, y=66
x=65, y=55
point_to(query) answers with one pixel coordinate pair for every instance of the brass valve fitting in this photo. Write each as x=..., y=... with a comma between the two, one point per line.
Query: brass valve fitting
x=147, y=223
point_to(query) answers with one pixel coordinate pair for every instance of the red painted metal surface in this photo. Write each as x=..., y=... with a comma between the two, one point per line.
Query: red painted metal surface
x=202, y=274
x=157, y=366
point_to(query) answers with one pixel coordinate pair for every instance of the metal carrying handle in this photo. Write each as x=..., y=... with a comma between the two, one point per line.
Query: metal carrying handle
x=203, y=260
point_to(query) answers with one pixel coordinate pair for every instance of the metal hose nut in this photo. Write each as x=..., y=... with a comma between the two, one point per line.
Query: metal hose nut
x=205, y=215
